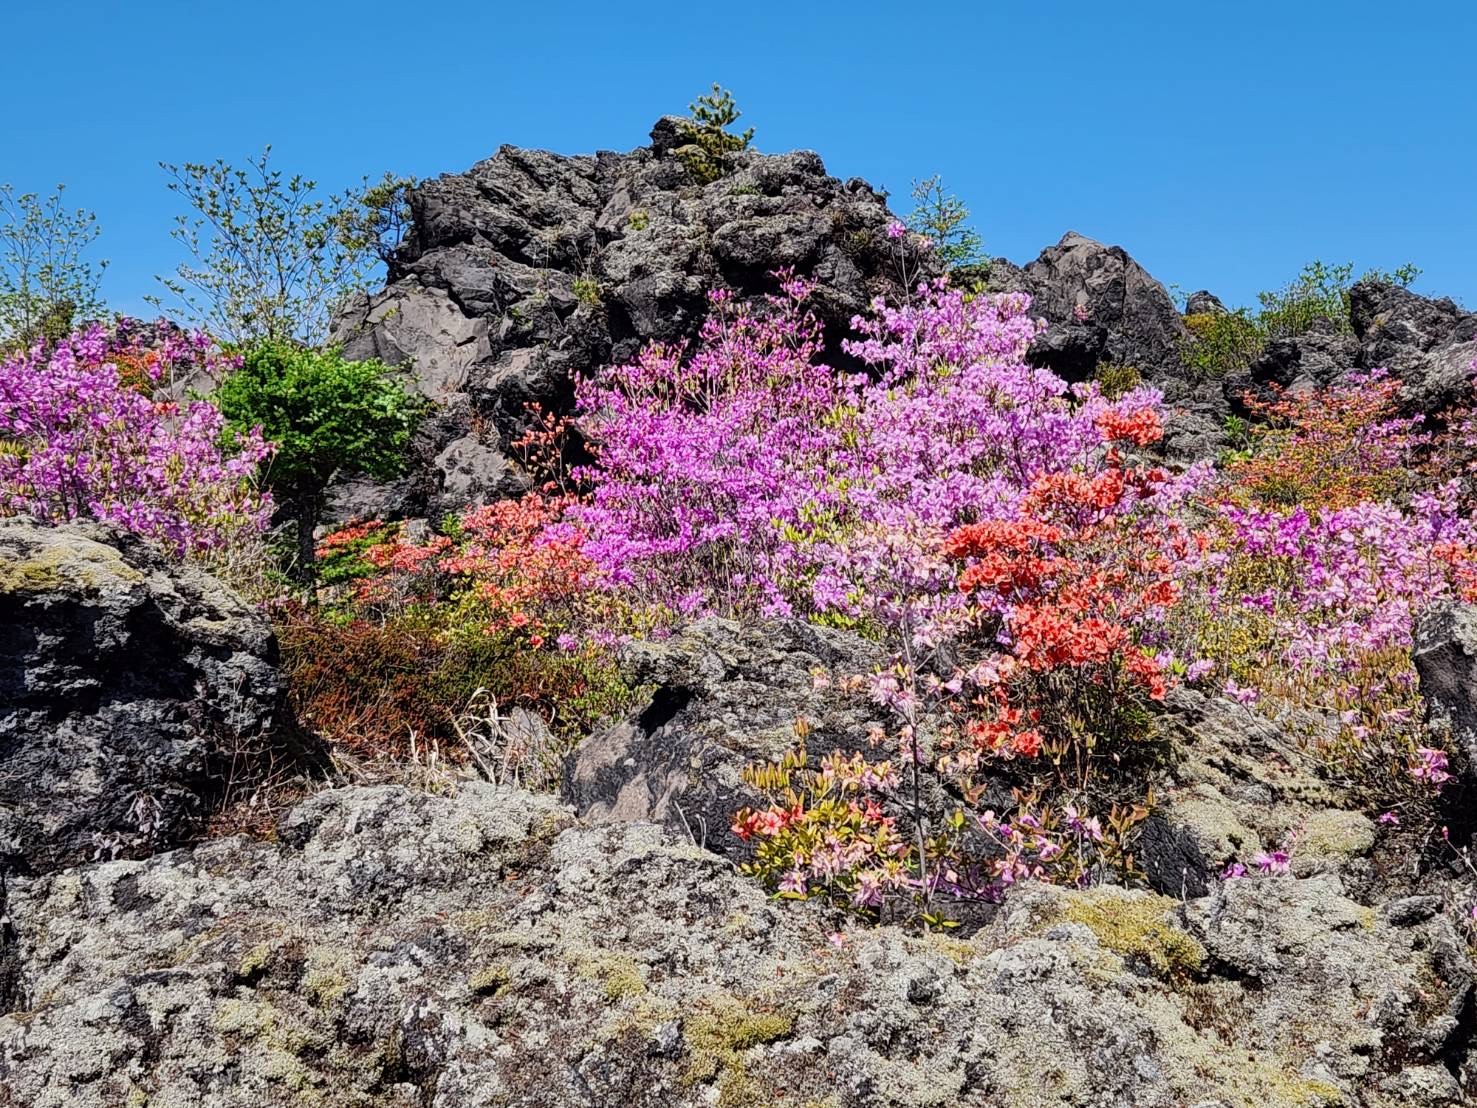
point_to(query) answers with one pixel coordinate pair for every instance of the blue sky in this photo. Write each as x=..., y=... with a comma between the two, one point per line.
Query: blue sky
x=1224, y=144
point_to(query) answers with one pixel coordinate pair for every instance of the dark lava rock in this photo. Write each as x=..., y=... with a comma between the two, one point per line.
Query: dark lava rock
x=128, y=686
x=532, y=267
x=724, y=695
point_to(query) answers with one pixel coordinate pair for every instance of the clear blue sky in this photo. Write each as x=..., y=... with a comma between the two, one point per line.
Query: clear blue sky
x=1224, y=144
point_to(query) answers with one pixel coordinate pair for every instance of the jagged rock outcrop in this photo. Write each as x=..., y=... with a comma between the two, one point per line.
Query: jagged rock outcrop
x=1203, y=302
x=723, y=695
x=1315, y=359
x=1103, y=308
x=131, y=688
x=396, y=948
x=532, y=267
x=1429, y=344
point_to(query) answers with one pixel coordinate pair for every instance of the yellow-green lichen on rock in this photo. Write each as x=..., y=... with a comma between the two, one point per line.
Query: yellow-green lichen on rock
x=1136, y=926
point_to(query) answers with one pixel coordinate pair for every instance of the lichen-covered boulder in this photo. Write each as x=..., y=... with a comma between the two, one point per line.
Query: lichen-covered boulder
x=133, y=691
x=396, y=948
x=1236, y=784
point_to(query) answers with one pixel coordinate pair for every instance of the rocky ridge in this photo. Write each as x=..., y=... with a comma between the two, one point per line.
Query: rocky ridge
x=533, y=266
x=481, y=946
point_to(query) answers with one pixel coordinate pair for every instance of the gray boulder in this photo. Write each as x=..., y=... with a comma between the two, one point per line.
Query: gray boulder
x=1203, y=302
x=1237, y=784
x=395, y=948
x=132, y=690
x=724, y=695
x=1129, y=317
x=1429, y=344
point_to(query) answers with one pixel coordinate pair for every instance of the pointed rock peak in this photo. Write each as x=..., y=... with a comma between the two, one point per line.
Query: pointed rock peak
x=1073, y=238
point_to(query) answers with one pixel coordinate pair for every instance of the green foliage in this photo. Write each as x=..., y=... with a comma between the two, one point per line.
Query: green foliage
x=1116, y=380
x=326, y=415
x=639, y=219
x=1320, y=293
x=1227, y=342
x=708, y=147
x=46, y=282
x=1222, y=342
x=587, y=291
x=380, y=219
x=944, y=219
x=271, y=257
x=367, y=685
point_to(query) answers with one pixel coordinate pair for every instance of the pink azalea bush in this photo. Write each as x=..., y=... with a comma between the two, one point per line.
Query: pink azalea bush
x=80, y=437
x=752, y=478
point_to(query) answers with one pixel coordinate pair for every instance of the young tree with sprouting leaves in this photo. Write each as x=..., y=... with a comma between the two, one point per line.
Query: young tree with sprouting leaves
x=47, y=281
x=271, y=256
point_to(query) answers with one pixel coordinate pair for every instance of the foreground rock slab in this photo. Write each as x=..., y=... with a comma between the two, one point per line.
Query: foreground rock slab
x=399, y=948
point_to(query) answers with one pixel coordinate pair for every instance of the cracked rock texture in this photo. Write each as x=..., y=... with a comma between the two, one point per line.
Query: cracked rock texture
x=399, y=948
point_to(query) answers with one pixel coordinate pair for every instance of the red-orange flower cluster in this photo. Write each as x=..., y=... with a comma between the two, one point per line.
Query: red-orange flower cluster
x=1140, y=428
x=1065, y=591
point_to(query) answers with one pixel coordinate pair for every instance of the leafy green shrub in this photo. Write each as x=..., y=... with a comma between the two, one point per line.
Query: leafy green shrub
x=639, y=219
x=708, y=149
x=326, y=415
x=587, y=291
x=1117, y=380
x=1221, y=342
x=1227, y=342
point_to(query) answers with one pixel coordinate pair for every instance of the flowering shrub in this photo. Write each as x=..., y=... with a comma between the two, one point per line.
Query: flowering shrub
x=828, y=834
x=1325, y=543
x=1069, y=603
x=825, y=835
x=503, y=608
x=1332, y=447
x=752, y=478
x=81, y=437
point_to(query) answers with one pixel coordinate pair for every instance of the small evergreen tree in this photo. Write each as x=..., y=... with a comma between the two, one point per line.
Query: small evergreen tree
x=943, y=218
x=326, y=416
x=708, y=151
